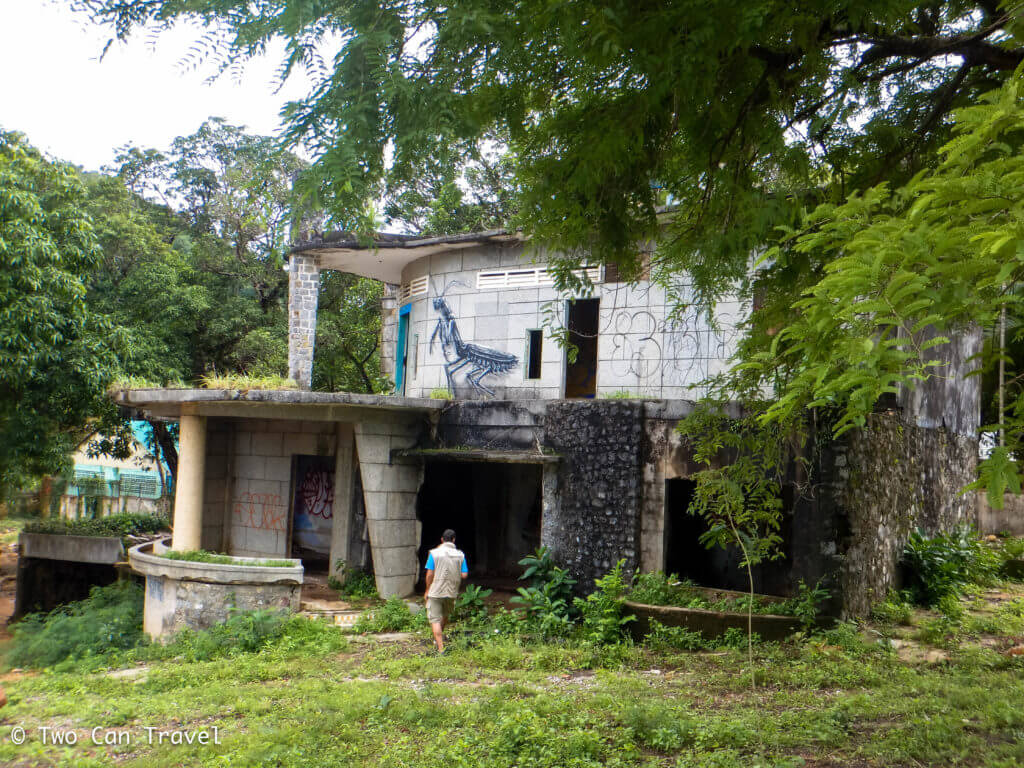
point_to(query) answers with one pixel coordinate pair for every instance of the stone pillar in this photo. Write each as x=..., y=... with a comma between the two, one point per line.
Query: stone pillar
x=388, y=330
x=341, y=530
x=389, y=493
x=188, y=496
x=303, y=294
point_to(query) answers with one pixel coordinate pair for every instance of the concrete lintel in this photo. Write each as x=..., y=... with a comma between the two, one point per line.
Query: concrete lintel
x=105, y=550
x=476, y=455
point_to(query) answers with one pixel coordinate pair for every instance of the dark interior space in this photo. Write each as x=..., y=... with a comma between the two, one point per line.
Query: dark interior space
x=534, y=353
x=495, y=510
x=581, y=375
x=687, y=557
x=44, y=584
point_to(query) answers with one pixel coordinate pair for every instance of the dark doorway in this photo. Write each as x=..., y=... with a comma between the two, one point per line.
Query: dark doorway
x=495, y=510
x=685, y=555
x=313, y=510
x=719, y=567
x=581, y=375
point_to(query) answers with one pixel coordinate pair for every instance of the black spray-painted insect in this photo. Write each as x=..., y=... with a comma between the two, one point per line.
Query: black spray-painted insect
x=458, y=353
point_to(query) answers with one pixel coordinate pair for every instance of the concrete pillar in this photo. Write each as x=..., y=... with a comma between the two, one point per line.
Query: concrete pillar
x=389, y=493
x=341, y=530
x=303, y=294
x=188, y=497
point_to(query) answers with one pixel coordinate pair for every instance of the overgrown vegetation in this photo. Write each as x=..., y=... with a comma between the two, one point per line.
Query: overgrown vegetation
x=354, y=584
x=945, y=564
x=123, y=524
x=110, y=619
x=296, y=693
x=202, y=556
x=244, y=382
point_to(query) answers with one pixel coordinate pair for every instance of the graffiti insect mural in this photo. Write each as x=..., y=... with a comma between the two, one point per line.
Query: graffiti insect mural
x=458, y=354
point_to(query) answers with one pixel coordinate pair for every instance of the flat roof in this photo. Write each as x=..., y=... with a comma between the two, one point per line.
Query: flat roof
x=170, y=404
x=384, y=257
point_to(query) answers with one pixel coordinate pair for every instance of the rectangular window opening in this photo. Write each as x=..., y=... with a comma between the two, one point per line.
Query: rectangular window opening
x=534, y=342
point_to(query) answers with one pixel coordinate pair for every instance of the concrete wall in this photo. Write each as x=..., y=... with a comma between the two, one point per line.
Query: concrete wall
x=1009, y=519
x=247, y=493
x=641, y=347
x=888, y=479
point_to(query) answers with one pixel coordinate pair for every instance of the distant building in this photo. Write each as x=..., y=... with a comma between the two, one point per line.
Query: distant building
x=102, y=485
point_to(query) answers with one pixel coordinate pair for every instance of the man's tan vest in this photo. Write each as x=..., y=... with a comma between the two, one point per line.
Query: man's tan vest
x=447, y=571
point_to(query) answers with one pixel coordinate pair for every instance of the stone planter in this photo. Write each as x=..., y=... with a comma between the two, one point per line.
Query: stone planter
x=183, y=594
x=711, y=624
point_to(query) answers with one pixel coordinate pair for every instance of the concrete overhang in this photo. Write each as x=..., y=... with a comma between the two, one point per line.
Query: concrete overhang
x=476, y=455
x=170, y=404
x=387, y=255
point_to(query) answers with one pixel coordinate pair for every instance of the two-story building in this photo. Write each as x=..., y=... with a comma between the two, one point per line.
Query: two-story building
x=570, y=446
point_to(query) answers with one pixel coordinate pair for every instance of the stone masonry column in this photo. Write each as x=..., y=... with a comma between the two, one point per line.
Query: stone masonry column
x=389, y=494
x=188, y=496
x=303, y=294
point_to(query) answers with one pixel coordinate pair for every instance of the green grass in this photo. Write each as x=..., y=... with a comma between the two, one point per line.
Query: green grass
x=441, y=393
x=241, y=381
x=202, y=556
x=307, y=695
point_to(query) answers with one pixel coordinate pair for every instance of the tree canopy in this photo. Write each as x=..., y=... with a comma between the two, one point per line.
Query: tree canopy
x=56, y=353
x=801, y=130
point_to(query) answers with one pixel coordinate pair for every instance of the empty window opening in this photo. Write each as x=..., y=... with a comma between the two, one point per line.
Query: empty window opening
x=534, y=345
x=495, y=510
x=581, y=374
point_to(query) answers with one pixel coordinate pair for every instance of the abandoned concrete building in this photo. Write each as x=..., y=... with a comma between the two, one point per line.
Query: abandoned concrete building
x=529, y=452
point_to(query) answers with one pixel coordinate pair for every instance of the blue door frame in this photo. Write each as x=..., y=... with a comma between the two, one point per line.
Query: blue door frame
x=402, y=349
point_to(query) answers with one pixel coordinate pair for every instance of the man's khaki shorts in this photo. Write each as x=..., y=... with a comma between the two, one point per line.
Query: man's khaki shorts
x=439, y=608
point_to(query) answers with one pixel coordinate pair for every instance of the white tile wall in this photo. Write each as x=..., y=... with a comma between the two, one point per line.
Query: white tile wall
x=641, y=347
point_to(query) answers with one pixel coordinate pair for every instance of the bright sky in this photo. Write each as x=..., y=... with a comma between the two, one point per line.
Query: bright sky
x=70, y=104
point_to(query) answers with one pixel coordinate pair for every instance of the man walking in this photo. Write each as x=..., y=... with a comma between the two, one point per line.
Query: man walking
x=446, y=570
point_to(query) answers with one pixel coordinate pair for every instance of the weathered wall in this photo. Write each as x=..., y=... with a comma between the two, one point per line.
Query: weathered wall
x=172, y=605
x=248, y=481
x=1009, y=519
x=888, y=479
x=591, y=515
x=643, y=347
x=303, y=295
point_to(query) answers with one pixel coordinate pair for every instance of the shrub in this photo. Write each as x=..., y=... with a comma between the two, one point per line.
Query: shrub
x=806, y=606
x=243, y=632
x=354, y=584
x=125, y=524
x=895, y=609
x=945, y=564
x=441, y=393
x=393, y=616
x=470, y=606
x=664, y=638
x=546, y=601
x=110, y=619
x=603, y=621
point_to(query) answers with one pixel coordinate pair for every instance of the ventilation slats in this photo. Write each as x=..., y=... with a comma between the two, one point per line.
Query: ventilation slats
x=526, y=278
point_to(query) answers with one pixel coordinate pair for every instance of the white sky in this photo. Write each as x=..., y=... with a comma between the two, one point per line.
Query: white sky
x=55, y=90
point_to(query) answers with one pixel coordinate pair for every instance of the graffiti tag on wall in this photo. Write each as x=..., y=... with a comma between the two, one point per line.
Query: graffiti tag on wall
x=318, y=494
x=260, y=510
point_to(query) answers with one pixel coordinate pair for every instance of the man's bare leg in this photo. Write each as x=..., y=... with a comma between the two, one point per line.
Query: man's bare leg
x=438, y=629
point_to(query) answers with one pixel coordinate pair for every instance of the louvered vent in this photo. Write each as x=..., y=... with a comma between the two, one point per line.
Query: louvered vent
x=526, y=278
x=412, y=289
